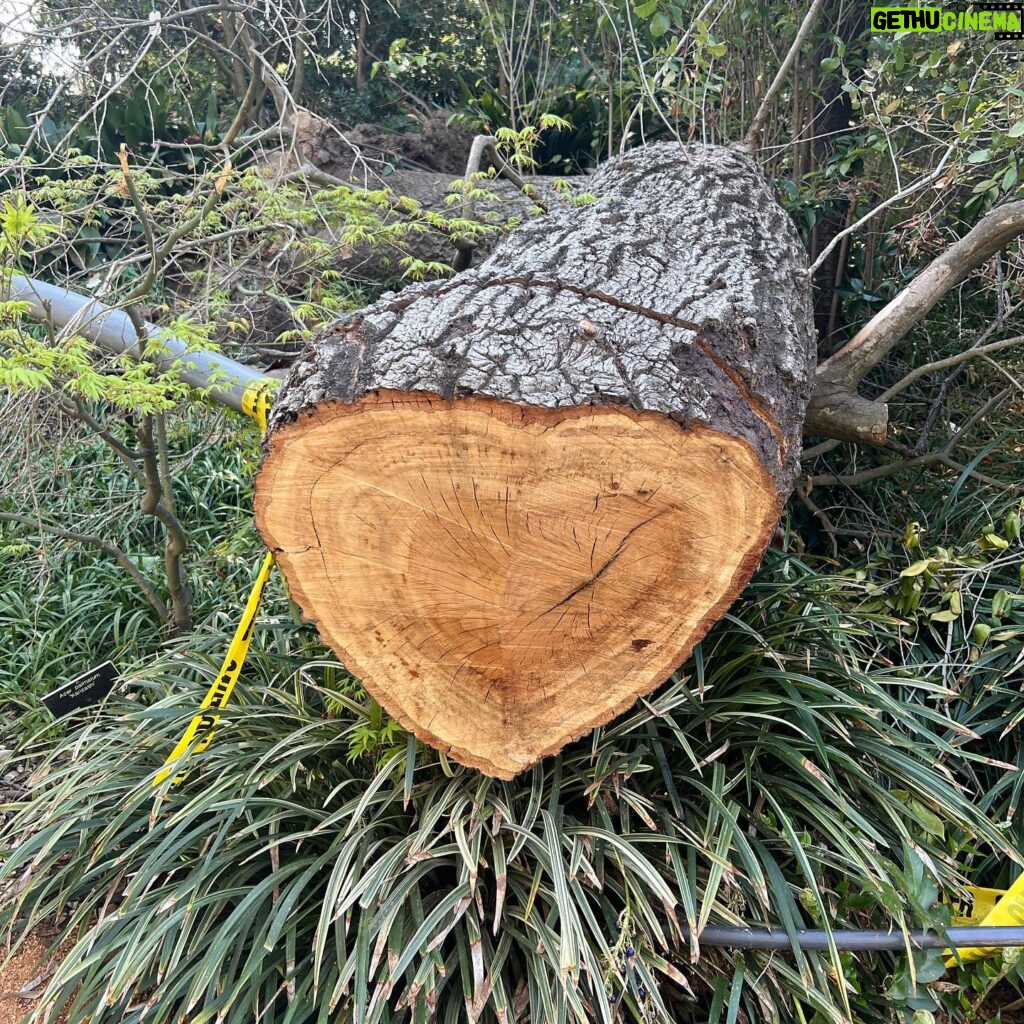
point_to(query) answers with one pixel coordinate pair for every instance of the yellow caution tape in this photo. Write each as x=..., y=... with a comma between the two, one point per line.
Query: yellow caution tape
x=256, y=403
x=974, y=908
x=1007, y=909
x=200, y=731
x=199, y=734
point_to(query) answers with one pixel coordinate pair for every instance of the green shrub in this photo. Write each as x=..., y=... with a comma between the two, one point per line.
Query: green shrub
x=306, y=871
x=65, y=607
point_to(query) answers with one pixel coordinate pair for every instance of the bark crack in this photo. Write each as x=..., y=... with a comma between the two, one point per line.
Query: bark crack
x=524, y=281
x=756, y=404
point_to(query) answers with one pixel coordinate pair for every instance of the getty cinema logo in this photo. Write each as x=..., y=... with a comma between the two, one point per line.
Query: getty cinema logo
x=1005, y=20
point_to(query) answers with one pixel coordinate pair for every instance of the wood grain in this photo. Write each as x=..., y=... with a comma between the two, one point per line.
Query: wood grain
x=514, y=500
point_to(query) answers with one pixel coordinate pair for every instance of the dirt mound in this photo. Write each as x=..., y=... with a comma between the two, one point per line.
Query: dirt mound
x=438, y=146
x=370, y=152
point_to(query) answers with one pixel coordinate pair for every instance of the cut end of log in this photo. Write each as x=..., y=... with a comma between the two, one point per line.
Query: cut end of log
x=513, y=501
x=504, y=578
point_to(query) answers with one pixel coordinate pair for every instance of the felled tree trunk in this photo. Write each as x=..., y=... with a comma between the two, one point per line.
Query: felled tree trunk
x=513, y=501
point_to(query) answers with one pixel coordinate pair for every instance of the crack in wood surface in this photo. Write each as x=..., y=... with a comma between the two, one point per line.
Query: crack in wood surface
x=600, y=572
x=754, y=402
x=527, y=282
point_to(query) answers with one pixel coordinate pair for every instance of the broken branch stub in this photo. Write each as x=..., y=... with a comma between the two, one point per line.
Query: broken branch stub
x=513, y=501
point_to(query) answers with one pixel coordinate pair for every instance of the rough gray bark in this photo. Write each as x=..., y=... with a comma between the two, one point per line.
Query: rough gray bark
x=682, y=290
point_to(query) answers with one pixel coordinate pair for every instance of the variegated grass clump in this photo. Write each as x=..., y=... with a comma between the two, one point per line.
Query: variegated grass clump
x=319, y=865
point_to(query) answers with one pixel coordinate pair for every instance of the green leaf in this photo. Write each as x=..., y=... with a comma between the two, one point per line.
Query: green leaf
x=929, y=965
x=919, y=567
x=660, y=24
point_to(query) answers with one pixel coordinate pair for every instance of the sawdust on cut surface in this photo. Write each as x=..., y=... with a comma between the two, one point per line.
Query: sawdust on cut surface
x=25, y=977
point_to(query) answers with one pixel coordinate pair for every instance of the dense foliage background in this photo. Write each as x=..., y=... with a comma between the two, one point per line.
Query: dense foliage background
x=841, y=749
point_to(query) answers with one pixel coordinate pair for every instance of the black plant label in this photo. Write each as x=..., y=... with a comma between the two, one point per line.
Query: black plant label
x=82, y=691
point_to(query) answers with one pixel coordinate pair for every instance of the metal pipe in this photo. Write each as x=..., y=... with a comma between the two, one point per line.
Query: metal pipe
x=223, y=379
x=854, y=940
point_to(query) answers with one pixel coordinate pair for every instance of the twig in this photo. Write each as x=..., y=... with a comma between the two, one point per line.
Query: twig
x=941, y=456
x=164, y=462
x=949, y=362
x=505, y=169
x=133, y=193
x=936, y=408
x=819, y=449
x=158, y=255
x=990, y=406
x=308, y=172
x=999, y=368
x=891, y=468
x=753, y=137
x=650, y=83
x=874, y=211
x=108, y=548
x=803, y=494
x=152, y=504
x=73, y=407
x=487, y=145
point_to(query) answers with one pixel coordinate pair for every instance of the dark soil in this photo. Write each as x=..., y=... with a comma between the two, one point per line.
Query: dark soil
x=994, y=1007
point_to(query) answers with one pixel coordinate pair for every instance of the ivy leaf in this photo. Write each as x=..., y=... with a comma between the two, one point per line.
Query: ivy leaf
x=1016, y=130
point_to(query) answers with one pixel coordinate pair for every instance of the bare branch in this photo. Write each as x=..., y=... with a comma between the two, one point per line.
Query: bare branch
x=487, y=145
x=884, y=331
x=106, y=547
x=949, y=363
x=73, y=407
x=902, y=194
x=917, y=462
x=753, y=137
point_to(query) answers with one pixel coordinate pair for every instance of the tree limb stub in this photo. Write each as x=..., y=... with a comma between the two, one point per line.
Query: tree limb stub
x=839, y=413
x=513, y=501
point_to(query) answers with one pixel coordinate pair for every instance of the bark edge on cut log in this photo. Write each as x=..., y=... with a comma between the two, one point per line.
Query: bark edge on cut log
x=663, y=336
